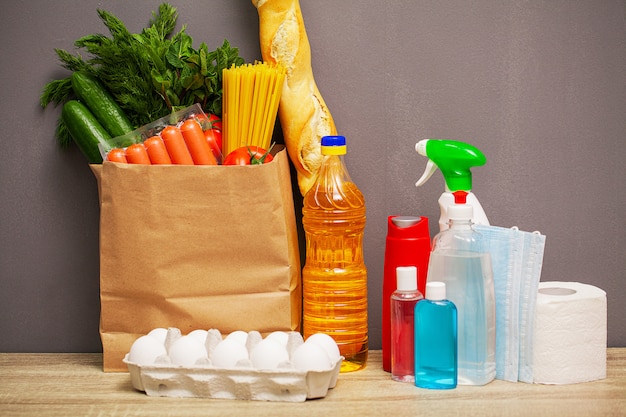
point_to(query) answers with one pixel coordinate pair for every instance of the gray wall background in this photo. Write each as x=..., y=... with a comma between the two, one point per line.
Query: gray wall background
x=538, y=85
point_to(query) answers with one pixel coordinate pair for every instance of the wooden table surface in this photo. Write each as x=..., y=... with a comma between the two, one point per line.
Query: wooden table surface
x=71, y=385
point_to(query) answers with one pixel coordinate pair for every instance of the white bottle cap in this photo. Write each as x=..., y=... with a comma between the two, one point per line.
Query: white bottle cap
x=460, y=212
x=436, y=290
x=405, y=221
x=406, y=278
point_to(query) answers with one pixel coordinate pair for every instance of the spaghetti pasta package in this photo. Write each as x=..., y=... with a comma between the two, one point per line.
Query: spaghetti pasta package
x=251, y=95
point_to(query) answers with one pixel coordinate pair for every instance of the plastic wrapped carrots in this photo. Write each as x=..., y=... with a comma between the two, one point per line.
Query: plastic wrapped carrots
x=182, y=144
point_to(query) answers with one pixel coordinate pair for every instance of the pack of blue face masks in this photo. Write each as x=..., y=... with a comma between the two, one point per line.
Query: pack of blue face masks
x=516, y=258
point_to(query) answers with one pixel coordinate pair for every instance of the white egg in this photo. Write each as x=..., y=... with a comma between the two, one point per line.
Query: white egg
x=145, y=350
x=199, y=334
x=227, y=353
x=311, y=357
x=280, y=337
x=268, y=354
x=328, y=343
x=238, y=336
x=159, y=333
x=186, y=351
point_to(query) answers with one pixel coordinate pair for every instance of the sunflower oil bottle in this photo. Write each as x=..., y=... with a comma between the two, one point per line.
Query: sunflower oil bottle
x=334, y=276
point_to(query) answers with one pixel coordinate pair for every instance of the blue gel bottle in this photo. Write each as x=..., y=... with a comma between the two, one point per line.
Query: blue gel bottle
x=435, y=339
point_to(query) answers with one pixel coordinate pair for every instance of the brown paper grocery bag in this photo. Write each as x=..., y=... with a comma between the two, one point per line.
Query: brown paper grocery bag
x=195, y=247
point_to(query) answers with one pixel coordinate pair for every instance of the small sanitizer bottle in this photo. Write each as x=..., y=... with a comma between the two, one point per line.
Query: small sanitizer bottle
x=435, y=339
x=402, y=304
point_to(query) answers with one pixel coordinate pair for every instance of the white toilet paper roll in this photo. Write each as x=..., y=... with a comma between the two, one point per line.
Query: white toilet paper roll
x=570, y=333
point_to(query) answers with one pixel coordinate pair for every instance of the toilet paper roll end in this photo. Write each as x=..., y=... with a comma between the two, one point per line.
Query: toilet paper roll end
x=570, y=334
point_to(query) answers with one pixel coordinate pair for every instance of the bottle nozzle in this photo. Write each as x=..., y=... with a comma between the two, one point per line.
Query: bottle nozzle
x=420, y=147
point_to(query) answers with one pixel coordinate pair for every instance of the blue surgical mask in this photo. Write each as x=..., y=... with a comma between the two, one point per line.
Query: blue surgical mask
x=532, y=261
x=516, y=258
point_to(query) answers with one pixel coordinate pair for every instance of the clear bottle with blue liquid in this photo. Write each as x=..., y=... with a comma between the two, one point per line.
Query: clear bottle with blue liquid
x=435, y=339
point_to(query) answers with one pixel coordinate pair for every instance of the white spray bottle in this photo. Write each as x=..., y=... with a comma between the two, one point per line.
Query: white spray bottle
x=454, y=159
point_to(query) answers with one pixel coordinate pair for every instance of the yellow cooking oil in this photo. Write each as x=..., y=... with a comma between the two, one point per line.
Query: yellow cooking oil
x=334, y=276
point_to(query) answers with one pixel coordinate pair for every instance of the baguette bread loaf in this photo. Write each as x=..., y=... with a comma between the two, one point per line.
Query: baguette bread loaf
x=303, y=114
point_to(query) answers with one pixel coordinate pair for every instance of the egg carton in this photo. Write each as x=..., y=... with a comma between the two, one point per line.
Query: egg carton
x=285, y=383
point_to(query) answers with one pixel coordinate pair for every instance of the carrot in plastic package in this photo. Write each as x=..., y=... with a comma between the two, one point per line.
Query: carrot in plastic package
x=196, y=143
x=175, y=145
x=137, y=154
x=117, y=155
x=157, y=151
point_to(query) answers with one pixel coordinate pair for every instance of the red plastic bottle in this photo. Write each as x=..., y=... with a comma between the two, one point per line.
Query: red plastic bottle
x=408, y=244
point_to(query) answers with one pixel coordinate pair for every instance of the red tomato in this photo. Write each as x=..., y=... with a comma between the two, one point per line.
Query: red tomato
x=214, y=137
x=248, y=155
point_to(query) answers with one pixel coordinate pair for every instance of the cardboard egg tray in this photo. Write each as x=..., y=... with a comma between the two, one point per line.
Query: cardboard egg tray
x=288, y=385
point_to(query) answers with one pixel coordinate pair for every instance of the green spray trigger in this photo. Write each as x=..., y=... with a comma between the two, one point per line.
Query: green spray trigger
x=453, y=158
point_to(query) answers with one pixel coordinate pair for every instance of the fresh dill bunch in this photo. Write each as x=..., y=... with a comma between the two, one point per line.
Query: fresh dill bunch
x=149, y=74
x=123, y=64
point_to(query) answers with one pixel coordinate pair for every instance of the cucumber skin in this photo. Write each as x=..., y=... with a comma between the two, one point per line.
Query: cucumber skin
x=106, y=110
x=85, y=129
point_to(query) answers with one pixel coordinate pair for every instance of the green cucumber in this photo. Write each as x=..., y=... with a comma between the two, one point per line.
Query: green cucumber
x=101, y=103
x=85, y=129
